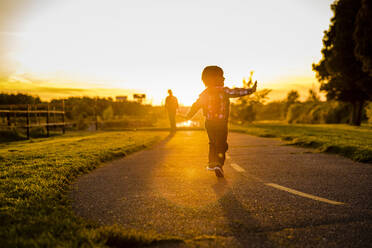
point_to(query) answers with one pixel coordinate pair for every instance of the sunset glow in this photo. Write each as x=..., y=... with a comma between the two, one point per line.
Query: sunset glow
x=188, y=123
x=148, y=47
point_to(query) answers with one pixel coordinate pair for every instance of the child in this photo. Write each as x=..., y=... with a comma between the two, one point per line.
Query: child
x=215, y=102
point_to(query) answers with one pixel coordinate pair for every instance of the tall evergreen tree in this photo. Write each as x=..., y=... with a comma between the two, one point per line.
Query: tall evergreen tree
x=363, y=36
x=339, y=71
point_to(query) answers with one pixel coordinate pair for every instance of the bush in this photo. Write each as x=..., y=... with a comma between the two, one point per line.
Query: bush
x=272, y=111
x=319, y=112
x=339, y=112
x=369, y=112
x=11, y=135
x=108, y=113
x=128, y=122
x=82, y=123
x=295, y=113
x=37, y=132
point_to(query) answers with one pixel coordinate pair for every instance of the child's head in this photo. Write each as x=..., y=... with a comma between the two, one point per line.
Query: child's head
x=213, y=76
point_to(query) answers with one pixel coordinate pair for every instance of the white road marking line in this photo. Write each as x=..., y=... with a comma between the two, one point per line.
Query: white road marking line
x=237, y=167
x=317, y=198
x=295, y=192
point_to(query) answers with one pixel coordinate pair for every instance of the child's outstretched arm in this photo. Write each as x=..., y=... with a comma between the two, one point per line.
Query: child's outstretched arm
x=194, y=108
x=238, y=92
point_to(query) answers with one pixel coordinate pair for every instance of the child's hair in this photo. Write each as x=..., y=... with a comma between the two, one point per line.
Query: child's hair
x=209, y=75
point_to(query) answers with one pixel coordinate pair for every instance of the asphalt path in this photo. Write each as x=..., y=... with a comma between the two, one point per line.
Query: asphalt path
x=273, y=195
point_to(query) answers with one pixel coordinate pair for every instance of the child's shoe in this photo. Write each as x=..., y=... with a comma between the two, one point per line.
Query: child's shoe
x=219, y=171
x=212, y=166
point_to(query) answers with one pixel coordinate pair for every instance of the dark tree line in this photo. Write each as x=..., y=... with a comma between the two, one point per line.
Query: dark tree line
x=82, y=107
x=291, y=109
x=345, y=68
x=105, y=108
x=9, y=99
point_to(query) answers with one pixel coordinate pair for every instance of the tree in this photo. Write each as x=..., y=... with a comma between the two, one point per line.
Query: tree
x=339, y=71
x=18, y=99
x=246, y=107
x=292, y=97
x=274, y=110
x=363, y=36
x=313, y=96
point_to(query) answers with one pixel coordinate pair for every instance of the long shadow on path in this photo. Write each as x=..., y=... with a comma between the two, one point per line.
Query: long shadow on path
x=242, y=225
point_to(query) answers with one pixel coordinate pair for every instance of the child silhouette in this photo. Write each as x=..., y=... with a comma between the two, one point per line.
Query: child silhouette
x=215, y=102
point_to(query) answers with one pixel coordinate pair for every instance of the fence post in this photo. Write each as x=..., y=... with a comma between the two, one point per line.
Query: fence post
x=10, y=115
x=15, y=116
x=8, y=118
x=47, y=120
x=37, y=115
x=54, y=114
x=63, y=117
x=28, y=121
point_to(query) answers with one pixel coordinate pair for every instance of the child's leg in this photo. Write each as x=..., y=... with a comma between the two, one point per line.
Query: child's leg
x=212, y=135
x=217, y=133
x=221, y=145
x=212, y=156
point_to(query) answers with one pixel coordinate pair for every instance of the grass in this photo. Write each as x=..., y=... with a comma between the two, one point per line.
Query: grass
x=35, y=178
x=349, y=141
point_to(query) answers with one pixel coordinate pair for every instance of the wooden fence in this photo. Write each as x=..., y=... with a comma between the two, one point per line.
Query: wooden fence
x=28, y=116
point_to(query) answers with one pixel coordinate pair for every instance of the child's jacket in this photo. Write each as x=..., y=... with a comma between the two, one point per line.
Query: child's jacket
x=215, y=102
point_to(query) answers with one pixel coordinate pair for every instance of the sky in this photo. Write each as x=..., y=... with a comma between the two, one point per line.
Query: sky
x=119, y=47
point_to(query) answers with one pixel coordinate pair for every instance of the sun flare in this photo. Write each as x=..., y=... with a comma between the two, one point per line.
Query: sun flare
x=188, y=123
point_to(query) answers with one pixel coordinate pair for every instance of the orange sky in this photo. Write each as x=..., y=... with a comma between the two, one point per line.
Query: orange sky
x=107, y=48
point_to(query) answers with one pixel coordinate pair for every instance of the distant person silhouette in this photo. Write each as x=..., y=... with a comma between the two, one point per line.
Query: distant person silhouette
x=171, y=104
x=215, y=102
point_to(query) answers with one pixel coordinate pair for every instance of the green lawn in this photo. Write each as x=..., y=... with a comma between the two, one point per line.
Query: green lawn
x=35, y=177
x=349, y=141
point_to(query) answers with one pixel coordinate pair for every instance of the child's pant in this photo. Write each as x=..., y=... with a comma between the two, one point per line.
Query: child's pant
x=217, y=134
